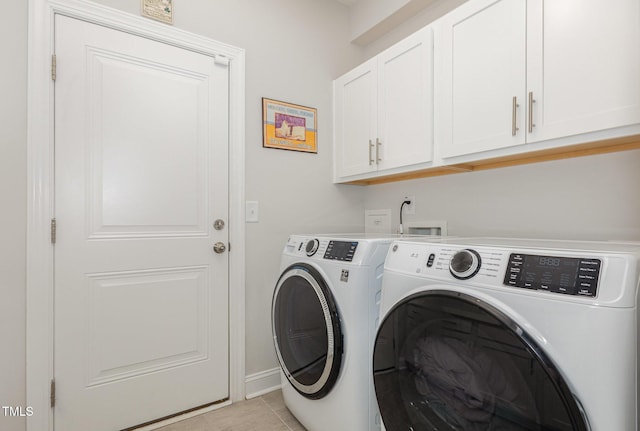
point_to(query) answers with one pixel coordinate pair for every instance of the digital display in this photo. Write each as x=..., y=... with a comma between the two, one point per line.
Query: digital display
x=568, y=275
x=550, y=273
x=549, y=261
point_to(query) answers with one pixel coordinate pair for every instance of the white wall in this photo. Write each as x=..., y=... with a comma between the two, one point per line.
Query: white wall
x=13, y=152
x=294, y=49
x=594, y=197
x=371, y=20
x=365, y=15
x=426, y=16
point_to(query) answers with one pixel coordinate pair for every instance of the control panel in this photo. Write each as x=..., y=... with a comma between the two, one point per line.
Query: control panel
x=323, y=248
x=341, y=250
x=567, y=275
x=594, y=273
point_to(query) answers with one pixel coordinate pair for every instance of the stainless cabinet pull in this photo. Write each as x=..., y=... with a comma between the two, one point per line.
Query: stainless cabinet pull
x=371, y=160
x=514, y=113
x=378, y=145
x=531, y=102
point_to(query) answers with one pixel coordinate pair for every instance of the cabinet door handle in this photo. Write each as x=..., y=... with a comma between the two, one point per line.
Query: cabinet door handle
x=378, y=145
x=531, y=102
x=514, y=114
x=371, y=160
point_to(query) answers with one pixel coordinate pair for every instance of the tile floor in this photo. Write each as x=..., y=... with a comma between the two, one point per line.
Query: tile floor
x=265, y=413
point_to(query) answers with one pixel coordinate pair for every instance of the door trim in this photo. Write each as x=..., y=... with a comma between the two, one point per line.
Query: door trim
x=40, y=191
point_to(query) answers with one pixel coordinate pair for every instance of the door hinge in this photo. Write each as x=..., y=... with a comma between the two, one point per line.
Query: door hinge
x=54, y=230
x=53, y=393
x=53, y=67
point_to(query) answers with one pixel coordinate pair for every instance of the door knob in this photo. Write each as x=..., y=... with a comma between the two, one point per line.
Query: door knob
x=219, y=247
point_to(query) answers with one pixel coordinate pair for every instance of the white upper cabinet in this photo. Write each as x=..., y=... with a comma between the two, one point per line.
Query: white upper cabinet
x=356, y=120
x=518, y=71
x=484, y=76
x=405, y=102
x=383, y=111
x=583, y=66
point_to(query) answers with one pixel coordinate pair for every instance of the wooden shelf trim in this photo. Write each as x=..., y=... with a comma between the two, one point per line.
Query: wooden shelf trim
x=593, y=148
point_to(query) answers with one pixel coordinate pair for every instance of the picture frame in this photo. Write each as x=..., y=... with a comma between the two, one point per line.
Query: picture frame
x=287, y=126
x=159, y=10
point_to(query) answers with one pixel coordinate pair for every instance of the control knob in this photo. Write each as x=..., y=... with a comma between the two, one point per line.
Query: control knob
x=465, y=264
x=312, y=247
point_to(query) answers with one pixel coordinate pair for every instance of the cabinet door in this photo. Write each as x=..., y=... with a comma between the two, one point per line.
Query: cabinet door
x=405, y=96
x=483, y=76
x=355, y=111
x=583, y=66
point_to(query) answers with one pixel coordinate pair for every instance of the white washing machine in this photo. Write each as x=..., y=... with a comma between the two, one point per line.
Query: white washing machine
x=506, y=334
x=324, y=314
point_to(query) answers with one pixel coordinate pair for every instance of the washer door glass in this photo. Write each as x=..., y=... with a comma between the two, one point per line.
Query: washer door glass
x=448, y=361
x=306, y=331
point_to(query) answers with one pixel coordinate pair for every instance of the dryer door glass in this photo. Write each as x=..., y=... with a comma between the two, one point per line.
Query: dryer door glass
x=449, y=361
x=306, y=331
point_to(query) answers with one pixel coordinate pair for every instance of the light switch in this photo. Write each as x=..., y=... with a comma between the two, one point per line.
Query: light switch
x=251, y=211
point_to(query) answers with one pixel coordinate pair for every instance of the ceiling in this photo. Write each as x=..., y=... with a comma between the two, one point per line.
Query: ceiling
x=347, y=2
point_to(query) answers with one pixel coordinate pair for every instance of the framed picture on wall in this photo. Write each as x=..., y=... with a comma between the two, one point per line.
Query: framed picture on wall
x=160, y=10
x=289, y=127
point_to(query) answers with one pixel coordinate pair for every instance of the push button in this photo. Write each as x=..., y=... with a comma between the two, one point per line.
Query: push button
x=588, y=272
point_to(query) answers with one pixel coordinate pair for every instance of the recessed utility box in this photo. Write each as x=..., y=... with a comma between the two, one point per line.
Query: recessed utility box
x=427, y=227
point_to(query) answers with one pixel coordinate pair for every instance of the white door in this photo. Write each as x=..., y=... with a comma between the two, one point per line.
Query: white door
x=484, y=76
x=405, y=101
x=141, y=173
x=583, y=66
x=356, y=110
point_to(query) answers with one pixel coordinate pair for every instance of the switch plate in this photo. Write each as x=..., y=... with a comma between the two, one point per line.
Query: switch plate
x=377, y=221
x=251, y=212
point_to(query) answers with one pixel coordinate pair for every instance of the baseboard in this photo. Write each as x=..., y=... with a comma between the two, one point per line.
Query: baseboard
x=262, y=383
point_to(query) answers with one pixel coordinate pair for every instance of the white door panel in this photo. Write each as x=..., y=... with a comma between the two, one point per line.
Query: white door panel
x=583, y=66
x=483, y=70
x=163, y=158
x=141, y=300
x=159, y=341
x=356, y=120
x=405, y=92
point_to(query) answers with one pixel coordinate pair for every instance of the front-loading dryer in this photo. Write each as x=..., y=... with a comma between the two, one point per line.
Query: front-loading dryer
x=324, y=314
x=506, y=334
